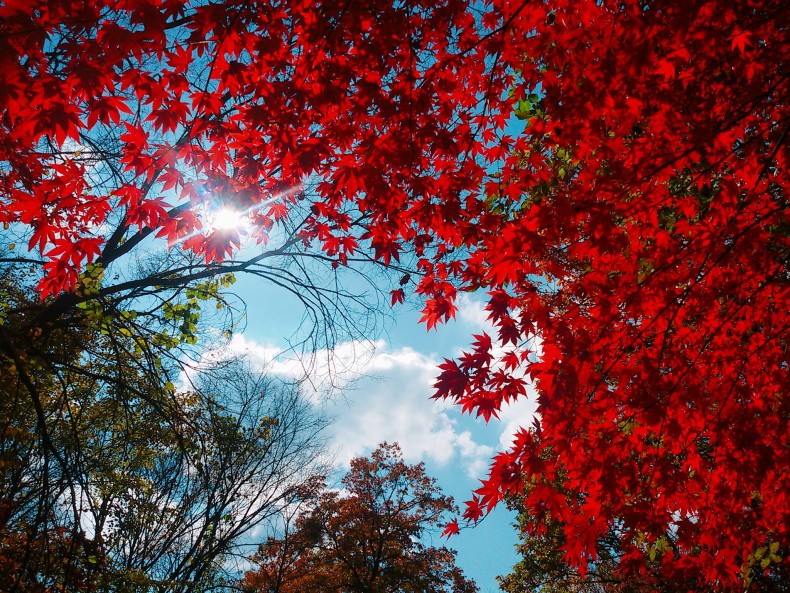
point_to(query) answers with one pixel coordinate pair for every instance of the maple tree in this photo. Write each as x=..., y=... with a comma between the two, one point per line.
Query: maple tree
x=366, y=537
x=613, y=174
x=637, y=270
x=542, y=566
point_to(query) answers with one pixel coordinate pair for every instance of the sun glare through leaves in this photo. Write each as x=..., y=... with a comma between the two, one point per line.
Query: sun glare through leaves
x=228, y=219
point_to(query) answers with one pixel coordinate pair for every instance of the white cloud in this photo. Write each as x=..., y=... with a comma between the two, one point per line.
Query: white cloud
x=374, y=394
x=322, y=374
x=521, y=412
x=515, y=415
x=472, y=312
x=392, y=402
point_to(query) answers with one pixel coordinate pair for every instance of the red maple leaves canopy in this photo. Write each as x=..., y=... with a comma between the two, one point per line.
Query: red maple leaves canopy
x=640, y=233
x=613, y=174
x=172, y=107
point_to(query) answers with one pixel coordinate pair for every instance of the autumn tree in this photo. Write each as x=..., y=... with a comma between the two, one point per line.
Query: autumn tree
x=611, y=174
x=369, y=536
x=111, y=480
x=543, y=568
x=637, y=268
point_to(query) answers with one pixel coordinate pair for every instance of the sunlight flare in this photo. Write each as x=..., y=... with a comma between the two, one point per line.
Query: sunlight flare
x=229, y=219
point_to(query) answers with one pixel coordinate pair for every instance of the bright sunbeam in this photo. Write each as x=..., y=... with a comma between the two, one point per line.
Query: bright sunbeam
x=228, y=218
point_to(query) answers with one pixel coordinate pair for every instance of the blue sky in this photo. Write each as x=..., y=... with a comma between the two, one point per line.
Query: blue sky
x=382, y=393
